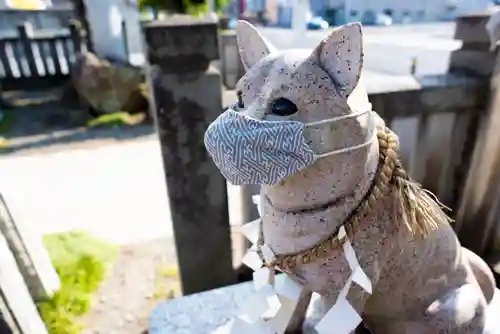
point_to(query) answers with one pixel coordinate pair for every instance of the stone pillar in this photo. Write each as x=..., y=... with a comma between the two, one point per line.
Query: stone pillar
x=186, y=98
x=230, y=63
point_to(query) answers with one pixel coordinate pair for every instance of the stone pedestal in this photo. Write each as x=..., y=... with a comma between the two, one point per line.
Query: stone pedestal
x=206, y=312
x=186, y=98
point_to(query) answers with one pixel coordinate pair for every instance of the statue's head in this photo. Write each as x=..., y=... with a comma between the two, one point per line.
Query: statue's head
x=317, y=84
x=284, y=95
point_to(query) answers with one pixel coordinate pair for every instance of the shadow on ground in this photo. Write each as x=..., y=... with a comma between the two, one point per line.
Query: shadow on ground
x=39, y=119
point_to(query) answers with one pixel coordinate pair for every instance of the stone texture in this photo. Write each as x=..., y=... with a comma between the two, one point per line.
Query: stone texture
x=104, y=86
x=187, y=96
x=182, y=44
x=197, y=191
x=203, y=313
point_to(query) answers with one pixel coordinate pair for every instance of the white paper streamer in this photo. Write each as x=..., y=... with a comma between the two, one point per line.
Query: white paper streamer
x=280, y=321
x=287, y=287
x=252, y=259
x=268, y=254
x=262, y=277
x=277, y=297
x=251, y=231
x=342, y=318
x=341, y=234
x=359, y=276
x=266, y=300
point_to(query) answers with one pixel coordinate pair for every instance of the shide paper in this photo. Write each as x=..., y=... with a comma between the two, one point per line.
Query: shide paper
x=270, y=309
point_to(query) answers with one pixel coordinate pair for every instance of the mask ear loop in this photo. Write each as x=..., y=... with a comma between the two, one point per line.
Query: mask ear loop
x=373, y=127
x=339, y=118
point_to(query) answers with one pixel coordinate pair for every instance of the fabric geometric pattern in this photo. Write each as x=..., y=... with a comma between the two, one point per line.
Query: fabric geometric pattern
x=250, y=151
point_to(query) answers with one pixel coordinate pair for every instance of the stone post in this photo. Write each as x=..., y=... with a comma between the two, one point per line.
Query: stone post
x=474, y=57
x=186, y=98
x=477, y=217
x=230, y=62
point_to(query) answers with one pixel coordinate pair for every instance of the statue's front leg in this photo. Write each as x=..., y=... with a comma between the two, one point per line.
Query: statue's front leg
x=482, y=272
x=299, y=315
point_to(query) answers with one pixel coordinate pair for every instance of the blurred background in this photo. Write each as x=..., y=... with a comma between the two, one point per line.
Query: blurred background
x=113, y=218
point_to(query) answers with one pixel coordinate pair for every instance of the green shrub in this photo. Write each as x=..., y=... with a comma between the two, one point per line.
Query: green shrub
x=81, y=262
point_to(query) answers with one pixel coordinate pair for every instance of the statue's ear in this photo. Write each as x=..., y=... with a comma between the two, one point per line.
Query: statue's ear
x=253, y=47
x=341, y=56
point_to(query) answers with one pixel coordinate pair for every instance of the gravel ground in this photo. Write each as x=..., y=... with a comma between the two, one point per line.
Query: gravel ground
x=143, y=275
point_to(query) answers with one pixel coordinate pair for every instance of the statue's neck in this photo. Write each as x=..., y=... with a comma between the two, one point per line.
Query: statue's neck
x=312, y=204
x=329, y=181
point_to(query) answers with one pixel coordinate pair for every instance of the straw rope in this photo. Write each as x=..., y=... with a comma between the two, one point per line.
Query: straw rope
x=420, y=210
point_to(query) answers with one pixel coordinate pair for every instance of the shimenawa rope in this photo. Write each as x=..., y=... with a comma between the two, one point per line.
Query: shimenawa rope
x=421, y=212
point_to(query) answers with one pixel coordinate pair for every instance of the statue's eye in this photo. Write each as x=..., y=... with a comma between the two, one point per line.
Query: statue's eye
x=283, y=107
x=240, y=99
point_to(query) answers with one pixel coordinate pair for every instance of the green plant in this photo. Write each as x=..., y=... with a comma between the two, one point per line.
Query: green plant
x=81, y=262
x=191, y=7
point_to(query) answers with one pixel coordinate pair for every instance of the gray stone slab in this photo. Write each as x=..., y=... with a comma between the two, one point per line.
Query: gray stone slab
x=204, y=312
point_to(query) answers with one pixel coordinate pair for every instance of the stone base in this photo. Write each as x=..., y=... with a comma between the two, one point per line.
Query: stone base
x=204, y=312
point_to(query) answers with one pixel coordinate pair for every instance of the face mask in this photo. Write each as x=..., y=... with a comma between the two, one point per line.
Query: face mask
x=250, y=151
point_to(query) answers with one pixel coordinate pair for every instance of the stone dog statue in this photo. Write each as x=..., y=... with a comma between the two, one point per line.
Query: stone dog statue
x=303, y=129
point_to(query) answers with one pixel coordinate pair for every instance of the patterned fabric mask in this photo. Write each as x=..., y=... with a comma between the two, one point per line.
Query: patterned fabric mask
x=250, y=151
